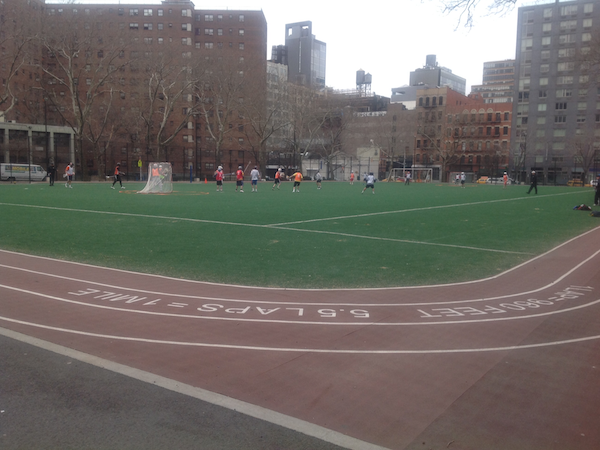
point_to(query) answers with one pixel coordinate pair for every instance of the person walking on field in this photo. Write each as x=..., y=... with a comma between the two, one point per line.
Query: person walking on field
x=370, y=180
x=51, y=174
x=297, y=179
x=117, y=176
x=463, y=178
x=254, y=176
x=597, y=196
x=533, y=181
x=505, y=179
x=318, y=178
x=277, y=179
x=219, y=177
x=69, y=173
x=239, y=179
x=351, y=177
x=407, y=178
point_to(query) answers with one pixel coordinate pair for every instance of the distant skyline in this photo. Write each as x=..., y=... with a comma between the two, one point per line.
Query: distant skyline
x=387, y=40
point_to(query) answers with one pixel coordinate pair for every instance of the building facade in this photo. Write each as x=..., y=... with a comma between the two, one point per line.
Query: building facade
x=306, y=56
x=556, y=109
x=498, y=83
x=456, y=133
x=433, y=75
x=148, y=82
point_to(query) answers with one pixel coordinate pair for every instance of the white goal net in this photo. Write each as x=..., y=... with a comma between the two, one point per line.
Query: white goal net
x=417, y=175
x=160, y=179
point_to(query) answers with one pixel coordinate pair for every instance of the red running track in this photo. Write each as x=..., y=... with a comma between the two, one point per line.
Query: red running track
x=509, y=362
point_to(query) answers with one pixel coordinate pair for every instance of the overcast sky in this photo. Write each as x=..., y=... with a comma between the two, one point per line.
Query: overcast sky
x=387, y=39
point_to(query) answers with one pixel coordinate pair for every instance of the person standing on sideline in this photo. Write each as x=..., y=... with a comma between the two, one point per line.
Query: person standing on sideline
x=533, y=182
x=597, y=196
x=319, y=178
x=239, y=179
x=117, y=176
x=277, y=179
x=254, y=175
x=69, y=174
x=370, y=183
x=219, y=177
x=51, y=174
x=407, y=178
x=351, y=177
x=463, y=178
x=297, y=179
x=505, y=179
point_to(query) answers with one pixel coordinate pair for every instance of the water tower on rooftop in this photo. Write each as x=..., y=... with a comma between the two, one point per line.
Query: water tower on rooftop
x=363, y=83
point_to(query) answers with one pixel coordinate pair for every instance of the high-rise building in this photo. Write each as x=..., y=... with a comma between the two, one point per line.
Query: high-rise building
x=436, y=76
x=149, y=82
x=556, y=110
x=498, y=82
x=306, y=56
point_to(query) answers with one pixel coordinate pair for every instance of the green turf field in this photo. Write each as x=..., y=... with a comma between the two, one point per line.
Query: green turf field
x=333, y=237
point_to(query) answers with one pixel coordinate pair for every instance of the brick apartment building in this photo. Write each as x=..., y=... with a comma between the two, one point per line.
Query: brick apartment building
x=138, y=82
x=456, y=133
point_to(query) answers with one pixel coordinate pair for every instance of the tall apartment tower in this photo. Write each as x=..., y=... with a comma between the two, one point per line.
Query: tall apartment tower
x=556, y=127
x=306, y=55
x=498, y=83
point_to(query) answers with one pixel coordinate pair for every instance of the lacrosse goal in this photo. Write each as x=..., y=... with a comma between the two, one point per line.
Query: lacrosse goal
x=160, y=179
x=418, y=175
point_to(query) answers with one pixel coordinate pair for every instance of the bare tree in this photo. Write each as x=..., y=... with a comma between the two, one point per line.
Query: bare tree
x=166, y=101
x=307, y=118
x=264, y=118
x=220, y=94
x=18, y=34
x=80, y=68
x=466, y=9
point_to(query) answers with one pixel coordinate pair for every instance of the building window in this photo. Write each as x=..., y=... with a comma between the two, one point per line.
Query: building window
x=160, y=12
x=147, y=26
x=133, y=26
x=241, y=46
x=241, y=18
x=561, y=105
x=209, y=32
x=208, y=17
x=134, y=12
x=208, y=45
x=160, y=26
x=147, y=12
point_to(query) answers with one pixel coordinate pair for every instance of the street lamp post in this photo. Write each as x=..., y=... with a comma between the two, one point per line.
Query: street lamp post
x=29, y=151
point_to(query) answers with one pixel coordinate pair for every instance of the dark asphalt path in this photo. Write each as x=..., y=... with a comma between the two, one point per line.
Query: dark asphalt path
x=52, y=401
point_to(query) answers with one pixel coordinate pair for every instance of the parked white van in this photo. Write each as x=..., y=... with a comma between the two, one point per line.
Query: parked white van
x=20, y=172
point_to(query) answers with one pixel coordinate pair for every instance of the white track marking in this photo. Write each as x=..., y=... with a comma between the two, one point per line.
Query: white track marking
x=291, y=322
x=207, y=283
x=237, y=300
x=307, y=350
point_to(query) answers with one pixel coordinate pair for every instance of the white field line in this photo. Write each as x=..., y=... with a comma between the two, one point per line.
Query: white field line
x=281, y=227
x=393, y=288
x=400, y=211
